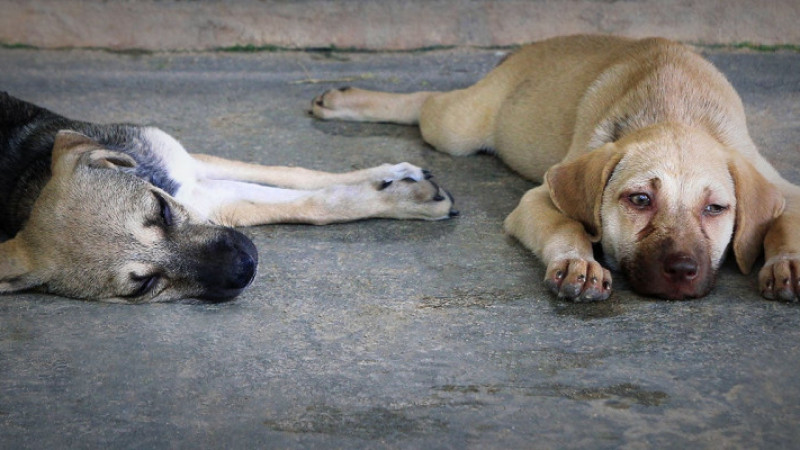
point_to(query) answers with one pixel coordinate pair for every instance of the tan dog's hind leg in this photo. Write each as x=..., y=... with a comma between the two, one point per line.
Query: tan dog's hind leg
x=459, y=122
x=361, y=105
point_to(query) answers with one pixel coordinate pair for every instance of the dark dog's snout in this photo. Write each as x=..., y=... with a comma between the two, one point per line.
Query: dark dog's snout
x=230, y=266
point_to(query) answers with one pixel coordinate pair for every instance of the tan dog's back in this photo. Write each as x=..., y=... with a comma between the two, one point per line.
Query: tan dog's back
x=557, y=99
x=542, y=86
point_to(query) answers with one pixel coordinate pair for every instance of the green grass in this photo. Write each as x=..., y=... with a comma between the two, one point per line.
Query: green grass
x=18, y=46
x=249, y=48
x=762, y=48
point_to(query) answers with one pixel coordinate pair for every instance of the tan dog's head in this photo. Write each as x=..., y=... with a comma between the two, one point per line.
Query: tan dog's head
x=99, y=232
x=665, y=202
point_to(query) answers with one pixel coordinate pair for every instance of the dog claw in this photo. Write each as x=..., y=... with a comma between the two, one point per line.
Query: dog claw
x=778, y=279
x=409, y=190
x=588, y=281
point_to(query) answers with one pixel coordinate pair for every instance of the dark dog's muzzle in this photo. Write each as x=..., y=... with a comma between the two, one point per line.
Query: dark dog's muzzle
x=227, y=267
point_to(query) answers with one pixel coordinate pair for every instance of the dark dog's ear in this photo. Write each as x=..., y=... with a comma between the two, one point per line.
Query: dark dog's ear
x=73, y=148
x=758, y=204
x=107, y=159
x=15, y=268
x=576, y=187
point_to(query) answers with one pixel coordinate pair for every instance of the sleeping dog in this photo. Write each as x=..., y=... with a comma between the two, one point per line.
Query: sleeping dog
x=122, y=213
x=640, y=145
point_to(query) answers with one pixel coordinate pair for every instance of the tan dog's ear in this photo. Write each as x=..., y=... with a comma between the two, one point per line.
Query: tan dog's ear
x=72, y=148
x=15, y=269
x=576, y=187
x=758, y=203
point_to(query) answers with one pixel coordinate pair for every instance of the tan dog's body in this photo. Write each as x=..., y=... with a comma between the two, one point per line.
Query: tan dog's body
x=123, y=213
x=640, y=145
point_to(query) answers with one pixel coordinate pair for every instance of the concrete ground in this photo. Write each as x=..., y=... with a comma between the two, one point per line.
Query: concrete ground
x=386, y=334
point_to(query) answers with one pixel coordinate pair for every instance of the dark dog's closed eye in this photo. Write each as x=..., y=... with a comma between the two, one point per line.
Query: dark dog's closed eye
x=146, y=283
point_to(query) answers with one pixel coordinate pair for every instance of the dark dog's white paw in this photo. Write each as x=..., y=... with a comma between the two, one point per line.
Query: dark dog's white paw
x=402, y=171
x=578, y=280
x=410, y=192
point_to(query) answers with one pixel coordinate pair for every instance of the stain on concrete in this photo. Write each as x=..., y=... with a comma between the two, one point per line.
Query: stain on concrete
x=619, y=396
x=373, y=423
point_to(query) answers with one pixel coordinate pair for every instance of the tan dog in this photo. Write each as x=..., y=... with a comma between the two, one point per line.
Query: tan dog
x=641, y=145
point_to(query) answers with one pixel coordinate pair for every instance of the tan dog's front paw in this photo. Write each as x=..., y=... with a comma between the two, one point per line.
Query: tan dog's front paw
x=779, y=279
x=578, y=280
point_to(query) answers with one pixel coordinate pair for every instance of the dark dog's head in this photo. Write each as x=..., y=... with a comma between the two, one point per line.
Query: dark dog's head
x=98, y=232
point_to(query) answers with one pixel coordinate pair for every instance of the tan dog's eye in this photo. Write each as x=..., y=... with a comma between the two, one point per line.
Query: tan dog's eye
x=714, y=210
x=639, y=200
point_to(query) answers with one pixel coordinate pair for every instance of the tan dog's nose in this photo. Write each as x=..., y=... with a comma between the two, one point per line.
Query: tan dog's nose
x=680, y=267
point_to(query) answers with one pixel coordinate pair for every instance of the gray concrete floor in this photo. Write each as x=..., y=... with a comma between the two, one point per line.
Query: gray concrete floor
x=386, y=334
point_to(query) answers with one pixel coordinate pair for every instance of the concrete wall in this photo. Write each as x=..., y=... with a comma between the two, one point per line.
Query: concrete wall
x=372, y=24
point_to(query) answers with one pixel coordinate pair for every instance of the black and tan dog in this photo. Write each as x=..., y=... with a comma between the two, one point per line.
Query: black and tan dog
x=123, y=213
x=641, y=145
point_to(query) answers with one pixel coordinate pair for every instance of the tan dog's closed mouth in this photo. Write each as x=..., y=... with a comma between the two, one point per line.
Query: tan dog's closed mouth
x=640, y=145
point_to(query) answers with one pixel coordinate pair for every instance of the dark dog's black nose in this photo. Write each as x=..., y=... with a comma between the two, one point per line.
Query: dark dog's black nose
x=245, y=271
x=229, y=266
